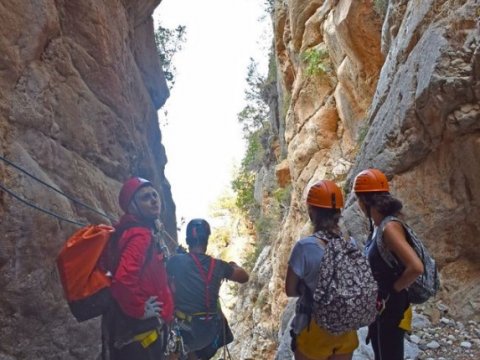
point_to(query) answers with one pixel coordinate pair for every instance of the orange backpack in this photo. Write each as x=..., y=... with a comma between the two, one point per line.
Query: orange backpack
x=85, y=283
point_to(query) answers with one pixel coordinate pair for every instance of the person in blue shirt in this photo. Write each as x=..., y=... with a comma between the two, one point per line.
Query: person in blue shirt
x=309, y=341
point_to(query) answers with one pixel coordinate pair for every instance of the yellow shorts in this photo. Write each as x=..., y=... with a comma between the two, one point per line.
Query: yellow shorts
x=317, y=343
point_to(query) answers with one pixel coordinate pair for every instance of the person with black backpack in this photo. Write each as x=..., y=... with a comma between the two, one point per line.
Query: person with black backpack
x=136, y=325
x=324, y=326
x=394, y=262
x=196, y=279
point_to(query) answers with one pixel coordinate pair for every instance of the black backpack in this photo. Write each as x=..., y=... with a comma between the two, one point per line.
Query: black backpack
x=427, y=284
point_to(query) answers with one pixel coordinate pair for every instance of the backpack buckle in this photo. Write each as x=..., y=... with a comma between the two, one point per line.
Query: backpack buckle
x=382, y=304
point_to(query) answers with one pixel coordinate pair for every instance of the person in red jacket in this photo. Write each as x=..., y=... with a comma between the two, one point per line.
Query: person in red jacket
x=138, y=323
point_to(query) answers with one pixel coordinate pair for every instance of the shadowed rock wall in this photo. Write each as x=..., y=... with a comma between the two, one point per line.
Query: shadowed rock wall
x=80, y=85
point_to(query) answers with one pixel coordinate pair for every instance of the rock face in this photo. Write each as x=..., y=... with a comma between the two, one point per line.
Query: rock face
x=80, y=84
x=399, y=92
x=423, y=131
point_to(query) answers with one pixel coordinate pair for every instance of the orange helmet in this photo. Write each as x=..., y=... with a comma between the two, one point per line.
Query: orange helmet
x=325, y=194
x=370, y=180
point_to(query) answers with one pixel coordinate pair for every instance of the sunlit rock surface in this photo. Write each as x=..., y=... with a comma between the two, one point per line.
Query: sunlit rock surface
x=80, y=85
x=398, y=91
x=423, y=132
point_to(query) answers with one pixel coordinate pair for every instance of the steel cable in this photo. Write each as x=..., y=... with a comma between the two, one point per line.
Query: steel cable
x=78, y=202
x=36, y=207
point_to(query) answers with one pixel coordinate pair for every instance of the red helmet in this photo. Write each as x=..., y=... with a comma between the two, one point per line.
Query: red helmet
x=129, y=188
x=370, y=180
x=325, y=194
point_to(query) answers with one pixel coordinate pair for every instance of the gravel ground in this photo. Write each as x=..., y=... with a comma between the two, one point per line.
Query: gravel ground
x=439, y=337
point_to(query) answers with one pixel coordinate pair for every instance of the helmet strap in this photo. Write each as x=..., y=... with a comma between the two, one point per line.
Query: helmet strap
x=136, y=208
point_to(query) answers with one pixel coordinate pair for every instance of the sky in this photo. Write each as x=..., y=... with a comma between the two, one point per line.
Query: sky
x=201, y=134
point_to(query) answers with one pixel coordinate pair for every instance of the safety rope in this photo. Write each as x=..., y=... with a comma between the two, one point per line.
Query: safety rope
x=161, y=229
x=74, y=200
x=36, y=207
x=226, y=351
x=78, y=202
x=172, y=240
x=224, y=328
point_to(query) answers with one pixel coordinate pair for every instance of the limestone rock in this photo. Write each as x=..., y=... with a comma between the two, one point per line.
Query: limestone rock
x=399, y=93
x=282, y=171
x=80, y=86
x=423, y=134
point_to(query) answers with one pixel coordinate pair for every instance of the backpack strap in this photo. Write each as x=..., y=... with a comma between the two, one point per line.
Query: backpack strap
x=111, y=256
x=325, y=237
x=115, y=252
x=207, y=277
x=386, y=254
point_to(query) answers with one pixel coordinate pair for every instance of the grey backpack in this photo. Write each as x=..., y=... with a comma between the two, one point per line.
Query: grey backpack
x=427, y=284
x=346, y=293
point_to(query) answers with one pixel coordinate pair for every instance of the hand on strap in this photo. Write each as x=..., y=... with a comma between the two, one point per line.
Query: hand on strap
x=152, y=308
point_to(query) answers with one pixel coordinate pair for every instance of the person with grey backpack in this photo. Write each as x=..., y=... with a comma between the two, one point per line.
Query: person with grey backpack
x=404, y=270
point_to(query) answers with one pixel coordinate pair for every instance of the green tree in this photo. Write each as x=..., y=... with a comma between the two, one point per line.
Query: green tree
x=169, y=42
x=317, y=61
x=255, y=113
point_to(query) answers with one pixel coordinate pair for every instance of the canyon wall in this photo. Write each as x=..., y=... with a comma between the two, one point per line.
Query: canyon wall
x=387, y=84
x=80, y=85
x=360, y=83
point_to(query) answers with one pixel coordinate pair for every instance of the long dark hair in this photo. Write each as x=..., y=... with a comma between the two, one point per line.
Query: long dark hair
x=324, y=219
x=383, y=202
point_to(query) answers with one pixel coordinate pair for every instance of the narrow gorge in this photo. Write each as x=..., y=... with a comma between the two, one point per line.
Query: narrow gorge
x=352, y=84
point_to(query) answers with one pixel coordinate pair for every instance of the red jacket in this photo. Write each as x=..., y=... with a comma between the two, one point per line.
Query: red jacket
x=139, y=276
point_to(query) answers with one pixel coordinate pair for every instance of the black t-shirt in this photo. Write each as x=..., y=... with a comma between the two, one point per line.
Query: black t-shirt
x=190, y=286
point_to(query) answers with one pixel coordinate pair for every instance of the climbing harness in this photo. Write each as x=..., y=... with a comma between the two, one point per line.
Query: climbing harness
x=183, y=322
x=198, y=315
x=175, y=343
x=207, y=277
x=145, y=339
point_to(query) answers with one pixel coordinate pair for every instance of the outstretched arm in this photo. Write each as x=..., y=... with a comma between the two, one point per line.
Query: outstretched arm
x=239, y=274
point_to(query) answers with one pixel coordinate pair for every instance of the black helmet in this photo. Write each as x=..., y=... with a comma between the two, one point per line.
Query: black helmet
x=198, y=231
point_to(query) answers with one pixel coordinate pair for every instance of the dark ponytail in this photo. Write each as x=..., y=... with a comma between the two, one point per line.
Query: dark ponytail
x=324, y=219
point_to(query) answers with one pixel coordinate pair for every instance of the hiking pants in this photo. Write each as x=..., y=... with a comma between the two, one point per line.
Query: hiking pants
x=386, y=335
x=387, y=340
